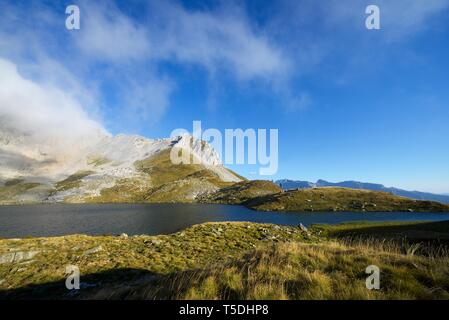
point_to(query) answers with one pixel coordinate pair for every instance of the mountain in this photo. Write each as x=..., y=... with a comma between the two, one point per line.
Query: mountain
x=292, y=184
x=265, y=195
x=93, y=166
x=106, y=168
x=341, y=199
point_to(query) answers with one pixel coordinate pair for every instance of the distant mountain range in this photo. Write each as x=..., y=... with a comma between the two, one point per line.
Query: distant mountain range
x=293, y=184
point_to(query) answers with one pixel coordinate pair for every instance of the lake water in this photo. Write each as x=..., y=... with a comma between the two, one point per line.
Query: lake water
x=56, y=220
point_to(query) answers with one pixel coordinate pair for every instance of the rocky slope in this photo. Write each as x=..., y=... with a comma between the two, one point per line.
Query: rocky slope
x=107, y=168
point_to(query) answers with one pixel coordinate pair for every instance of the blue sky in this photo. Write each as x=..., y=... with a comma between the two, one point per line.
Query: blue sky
x=349, y=103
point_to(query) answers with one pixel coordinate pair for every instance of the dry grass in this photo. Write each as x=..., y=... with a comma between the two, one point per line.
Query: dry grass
x=308, y=271
x=423, y=238
x=121, y=260
x=229, y=261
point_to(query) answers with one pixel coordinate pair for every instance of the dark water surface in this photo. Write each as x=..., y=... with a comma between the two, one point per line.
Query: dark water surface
x=95, y=219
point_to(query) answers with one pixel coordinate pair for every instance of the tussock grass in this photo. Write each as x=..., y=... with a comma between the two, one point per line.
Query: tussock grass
x=114, y=260
x=297, y=270
x=231, y=261
x=424, y=238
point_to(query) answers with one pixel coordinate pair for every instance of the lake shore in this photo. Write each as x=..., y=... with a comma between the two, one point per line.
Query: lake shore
x=155, y=219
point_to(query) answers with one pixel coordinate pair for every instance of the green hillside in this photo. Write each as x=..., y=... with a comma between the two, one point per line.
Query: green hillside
x=243, y=191
x=341, y=199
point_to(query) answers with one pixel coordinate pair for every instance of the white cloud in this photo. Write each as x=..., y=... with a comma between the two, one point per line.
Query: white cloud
x=107, y=34
x=125, y=54
x=147, y=98
x=214, y=39
x=221, y=41
x=399, y=19
x=404, y=18
x=44, y=116
x=217, y=40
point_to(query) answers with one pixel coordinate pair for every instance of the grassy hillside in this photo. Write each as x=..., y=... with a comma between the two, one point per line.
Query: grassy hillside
x=161, y=181
x=73, y=181
x=341, y=199
x=221, y=261
x=187, y=189
x=243, y=191
x=18, y=191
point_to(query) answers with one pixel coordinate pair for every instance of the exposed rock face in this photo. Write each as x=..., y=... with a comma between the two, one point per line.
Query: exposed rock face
x=94, y=250
x=201, y=150
x=14, y=257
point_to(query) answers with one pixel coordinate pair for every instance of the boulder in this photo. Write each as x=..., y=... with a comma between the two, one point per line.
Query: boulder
x=156, y=242
x=14, y=257
x=94, y=250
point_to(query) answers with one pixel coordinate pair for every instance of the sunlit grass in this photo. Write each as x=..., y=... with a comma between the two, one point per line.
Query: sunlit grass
x=234, y=261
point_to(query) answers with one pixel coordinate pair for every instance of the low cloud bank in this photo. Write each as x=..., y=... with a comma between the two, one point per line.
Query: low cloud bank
x=40, y=121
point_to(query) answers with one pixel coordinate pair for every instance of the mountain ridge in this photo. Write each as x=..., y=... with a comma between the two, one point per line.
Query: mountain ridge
x=288, y=184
